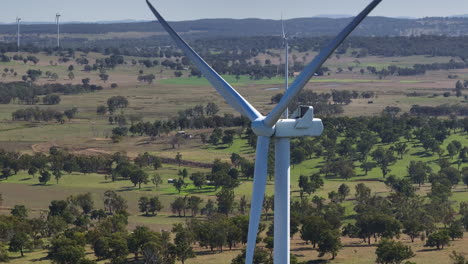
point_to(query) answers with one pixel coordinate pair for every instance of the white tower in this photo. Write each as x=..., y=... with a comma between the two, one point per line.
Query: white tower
x=57, y=20
x=18, y=21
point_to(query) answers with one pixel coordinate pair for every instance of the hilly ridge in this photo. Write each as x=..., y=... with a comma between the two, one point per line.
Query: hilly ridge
x=316, y=26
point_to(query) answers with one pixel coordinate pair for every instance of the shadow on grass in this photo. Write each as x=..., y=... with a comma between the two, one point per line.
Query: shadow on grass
x=221, y=147
x=318, y=261
x=422, y=154
x=41, y=184
x=25, y=179
x=358, y=245
x=303, y=248
x=429, y=250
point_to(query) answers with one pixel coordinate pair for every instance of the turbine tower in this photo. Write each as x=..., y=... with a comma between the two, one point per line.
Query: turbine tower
x=18, y=21
x=57, y=20
x=271, y=127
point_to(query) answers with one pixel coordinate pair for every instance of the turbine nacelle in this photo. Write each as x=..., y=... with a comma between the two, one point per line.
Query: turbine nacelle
x=301, y=124
x=304, y=124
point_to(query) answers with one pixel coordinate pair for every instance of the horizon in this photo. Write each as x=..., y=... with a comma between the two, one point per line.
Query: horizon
x=329, y=16
x=123, y=10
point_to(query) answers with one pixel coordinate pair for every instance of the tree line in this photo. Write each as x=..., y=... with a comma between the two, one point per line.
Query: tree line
x=27, y=93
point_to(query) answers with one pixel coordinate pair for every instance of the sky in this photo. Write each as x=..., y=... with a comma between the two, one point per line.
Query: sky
x=177, y=10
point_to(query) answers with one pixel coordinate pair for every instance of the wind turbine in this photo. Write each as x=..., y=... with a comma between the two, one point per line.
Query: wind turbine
x=271, y=126
x=18, y=20
x=57, y=20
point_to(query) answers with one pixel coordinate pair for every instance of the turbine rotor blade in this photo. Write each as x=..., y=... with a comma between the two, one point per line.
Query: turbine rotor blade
x=229, y=94
x=315, y=65
x=258, y=193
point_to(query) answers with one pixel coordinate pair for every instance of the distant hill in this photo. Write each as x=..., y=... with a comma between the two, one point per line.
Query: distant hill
x=316, y=26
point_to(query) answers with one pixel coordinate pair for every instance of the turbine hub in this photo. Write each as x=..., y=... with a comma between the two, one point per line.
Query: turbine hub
x=260, y=129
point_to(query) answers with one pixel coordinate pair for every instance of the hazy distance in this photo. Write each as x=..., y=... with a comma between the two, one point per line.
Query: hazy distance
x=178, y=10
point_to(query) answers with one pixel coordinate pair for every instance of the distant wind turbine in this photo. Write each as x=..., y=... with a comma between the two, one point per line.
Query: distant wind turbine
x=18, y=20
x=57, y=20
x=268, y=127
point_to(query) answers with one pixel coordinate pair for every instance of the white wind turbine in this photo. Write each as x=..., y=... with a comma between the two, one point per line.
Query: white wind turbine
x=18, y=23
x=271, y=126
x=57, y=20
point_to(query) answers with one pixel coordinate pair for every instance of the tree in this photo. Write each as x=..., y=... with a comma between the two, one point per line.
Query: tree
x=225, y=199
x=64, y=250
x=157, y=180
x=179, y=184
x=384, y=158
x=413, y=228
x=298, y=155
x=211, y=109
x=116, y=102
x=84, y=201
x=51, y=99
x=418, y=171
x=179, y=206
x=401, y=148
x=329, y=242
x=183, y=173
x=101, y=110
x=138, y=176
x=101, y=248
x=198, y=179
x=216, y=136
x=6, y=173
x=32, y=171
x=343, y=191
x=19, y=211
x=143, y=205
x=194, y=204
x=118, y=248
x=453, y=149
x=438, y=239
x=312, y=228
x=465, y=176
x=183, y=248
x=45, y=177
x=57, y=174
x=104, y=77
x=458, y=258
x=154, y=205
x=19, y=241
x=391, y=252
x=268, y=203
x=114, y=202
x=178, y=158
x=243, y=205
x=455, y=230
x=3, y=255
x=363, y=192
x=310, y=184
x=140, y=236
x=71, y=75
x=452, y=174
x=367, y=166
x=261, y=256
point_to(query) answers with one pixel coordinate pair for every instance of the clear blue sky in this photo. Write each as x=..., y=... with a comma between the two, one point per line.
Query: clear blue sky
x=175, y=10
